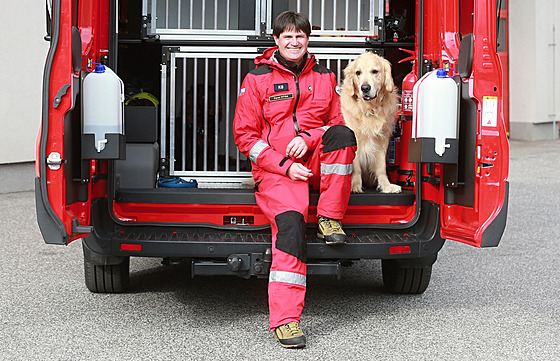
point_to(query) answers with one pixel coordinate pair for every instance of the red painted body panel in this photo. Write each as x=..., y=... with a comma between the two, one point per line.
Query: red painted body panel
x=61, y=74
x=215, y=213
x=466, y=224
x=93, y=26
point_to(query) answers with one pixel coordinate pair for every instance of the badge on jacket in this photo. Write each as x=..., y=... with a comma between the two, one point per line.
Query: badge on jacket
x=281, y=97
x=280, y=87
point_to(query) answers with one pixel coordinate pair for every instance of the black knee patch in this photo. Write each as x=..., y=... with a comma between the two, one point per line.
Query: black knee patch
x=338, y=137
x=291, y=234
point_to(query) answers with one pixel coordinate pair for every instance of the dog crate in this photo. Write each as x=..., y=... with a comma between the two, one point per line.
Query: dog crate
x=196, y=136
x=209, y=51
x=231, y=20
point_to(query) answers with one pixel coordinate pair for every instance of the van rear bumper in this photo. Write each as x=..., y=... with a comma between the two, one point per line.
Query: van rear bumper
x=173, y=241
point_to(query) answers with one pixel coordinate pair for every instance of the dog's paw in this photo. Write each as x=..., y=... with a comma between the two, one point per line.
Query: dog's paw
x=390, y=188
x=357, y=189
x=357, y=182
x=357, y=185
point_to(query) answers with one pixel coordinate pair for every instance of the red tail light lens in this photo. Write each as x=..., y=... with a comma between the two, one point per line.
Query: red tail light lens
x=131, y=247
x=399, y=249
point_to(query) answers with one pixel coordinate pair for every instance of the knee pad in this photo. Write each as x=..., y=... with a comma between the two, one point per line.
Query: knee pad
x=338, y=137
x=291, y=234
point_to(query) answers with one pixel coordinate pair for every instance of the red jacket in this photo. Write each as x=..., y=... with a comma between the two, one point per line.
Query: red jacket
x=275, y=105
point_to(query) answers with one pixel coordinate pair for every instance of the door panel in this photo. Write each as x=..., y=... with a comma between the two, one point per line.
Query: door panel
x=480, y=222
x=59, y=210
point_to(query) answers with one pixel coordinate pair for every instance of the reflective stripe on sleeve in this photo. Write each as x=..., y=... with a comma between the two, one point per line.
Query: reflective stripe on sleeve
x=257, y=150
x=340, y=169
x=288, y=277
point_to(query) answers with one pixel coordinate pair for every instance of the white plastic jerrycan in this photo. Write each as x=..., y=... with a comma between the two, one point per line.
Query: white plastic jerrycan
x=103, y=102
x=435, y=113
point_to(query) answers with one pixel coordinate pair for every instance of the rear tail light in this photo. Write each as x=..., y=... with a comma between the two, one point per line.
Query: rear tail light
x=399, y=249
x=131, y=247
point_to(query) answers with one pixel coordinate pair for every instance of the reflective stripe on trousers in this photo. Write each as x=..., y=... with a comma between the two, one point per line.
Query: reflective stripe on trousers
x=288, y=277
x=340, y=169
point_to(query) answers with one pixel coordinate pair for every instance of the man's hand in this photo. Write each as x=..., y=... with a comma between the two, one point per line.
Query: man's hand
x=298, y=172
x=296, y=148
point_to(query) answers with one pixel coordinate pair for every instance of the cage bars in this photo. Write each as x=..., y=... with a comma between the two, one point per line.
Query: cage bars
x=353, y=20
x=215, y=75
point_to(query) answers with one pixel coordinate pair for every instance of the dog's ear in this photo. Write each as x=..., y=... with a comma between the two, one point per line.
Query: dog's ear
x=389, y=85
x=348, y=82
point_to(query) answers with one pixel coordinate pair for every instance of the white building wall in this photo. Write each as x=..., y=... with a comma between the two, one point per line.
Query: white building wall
x=534, y=69
x=22, y=58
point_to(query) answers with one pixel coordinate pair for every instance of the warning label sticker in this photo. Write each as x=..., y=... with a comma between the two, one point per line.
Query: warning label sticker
x=407, y=100
x=490, y=112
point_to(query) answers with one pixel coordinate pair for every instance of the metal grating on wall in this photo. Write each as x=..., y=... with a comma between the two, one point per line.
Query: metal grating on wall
x=200, y=86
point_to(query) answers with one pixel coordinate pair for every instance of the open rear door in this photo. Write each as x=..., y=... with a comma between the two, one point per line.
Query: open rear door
x=475, y=207
x=62, y=183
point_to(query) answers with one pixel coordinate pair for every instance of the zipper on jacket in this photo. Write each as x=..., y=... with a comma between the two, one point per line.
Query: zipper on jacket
x=296, y=104
x=296, y=79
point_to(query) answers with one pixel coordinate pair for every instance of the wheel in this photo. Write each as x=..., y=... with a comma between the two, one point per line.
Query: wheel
x=106, y=274
x=107, y=279
x=406, y=276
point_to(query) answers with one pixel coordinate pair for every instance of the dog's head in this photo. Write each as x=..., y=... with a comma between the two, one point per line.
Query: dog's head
x=368, y=76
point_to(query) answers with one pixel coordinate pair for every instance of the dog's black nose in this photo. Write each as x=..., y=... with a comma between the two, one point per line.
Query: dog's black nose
x=366, y=88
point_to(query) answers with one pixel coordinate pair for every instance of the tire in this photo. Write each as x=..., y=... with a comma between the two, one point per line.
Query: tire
x=107, y=279
x=405, y=277
x=106, y=274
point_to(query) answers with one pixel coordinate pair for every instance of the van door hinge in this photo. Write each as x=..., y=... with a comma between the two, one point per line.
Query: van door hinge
x=54, y=161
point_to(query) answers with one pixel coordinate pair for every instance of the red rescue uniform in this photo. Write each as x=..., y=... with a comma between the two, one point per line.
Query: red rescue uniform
x=274, y=106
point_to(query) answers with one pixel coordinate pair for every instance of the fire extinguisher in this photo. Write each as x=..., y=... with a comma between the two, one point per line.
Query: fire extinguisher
x=406, y=171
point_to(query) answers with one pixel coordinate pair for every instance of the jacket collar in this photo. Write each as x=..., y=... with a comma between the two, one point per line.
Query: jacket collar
x=271, y=57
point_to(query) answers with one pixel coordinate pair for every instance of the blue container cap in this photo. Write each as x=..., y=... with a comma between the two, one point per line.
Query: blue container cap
x=441, y=73
x=99, y=68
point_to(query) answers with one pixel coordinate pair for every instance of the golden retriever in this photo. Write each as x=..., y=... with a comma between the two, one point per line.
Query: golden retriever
x=369, y=102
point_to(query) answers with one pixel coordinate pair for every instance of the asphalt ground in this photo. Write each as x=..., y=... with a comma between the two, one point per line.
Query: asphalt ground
x=482, y=304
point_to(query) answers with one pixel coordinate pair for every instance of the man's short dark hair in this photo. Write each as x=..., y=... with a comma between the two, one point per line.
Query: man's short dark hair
x=290, y=20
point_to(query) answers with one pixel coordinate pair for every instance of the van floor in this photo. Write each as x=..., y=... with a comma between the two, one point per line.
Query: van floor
x=244, y=196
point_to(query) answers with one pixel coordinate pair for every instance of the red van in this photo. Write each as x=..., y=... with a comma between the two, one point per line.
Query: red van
x=163, y=178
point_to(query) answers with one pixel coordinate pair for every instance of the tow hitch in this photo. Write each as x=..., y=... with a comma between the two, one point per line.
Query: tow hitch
x=254, y=264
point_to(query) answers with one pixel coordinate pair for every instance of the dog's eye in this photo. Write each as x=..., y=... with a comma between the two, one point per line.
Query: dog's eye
x=358, y=72
x=375, y=71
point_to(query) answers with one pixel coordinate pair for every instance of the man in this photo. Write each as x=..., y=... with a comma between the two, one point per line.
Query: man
x=288, y=122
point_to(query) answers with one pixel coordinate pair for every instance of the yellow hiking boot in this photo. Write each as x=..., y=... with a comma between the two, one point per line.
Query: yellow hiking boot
x=290, y=335
x=331, y=231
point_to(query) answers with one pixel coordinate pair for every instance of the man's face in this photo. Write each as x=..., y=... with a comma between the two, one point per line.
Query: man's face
x=292, y=45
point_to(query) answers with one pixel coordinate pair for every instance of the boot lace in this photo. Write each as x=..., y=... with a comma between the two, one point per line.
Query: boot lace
x=332, y=224
x=293, y=328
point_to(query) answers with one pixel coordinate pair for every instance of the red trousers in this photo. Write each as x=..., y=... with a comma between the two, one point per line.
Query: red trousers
x=285, y=203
